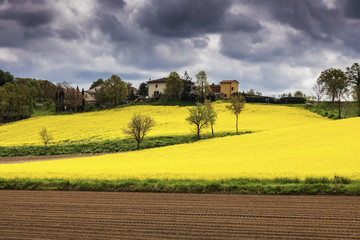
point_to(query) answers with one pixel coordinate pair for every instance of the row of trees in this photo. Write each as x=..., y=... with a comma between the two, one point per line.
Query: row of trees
x=19, y=96
x=337, y=85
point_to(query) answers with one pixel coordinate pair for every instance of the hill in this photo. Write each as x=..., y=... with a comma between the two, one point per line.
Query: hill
x=108, y=124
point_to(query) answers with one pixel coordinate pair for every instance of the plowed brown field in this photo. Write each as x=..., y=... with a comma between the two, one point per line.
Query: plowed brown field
x=109, y=215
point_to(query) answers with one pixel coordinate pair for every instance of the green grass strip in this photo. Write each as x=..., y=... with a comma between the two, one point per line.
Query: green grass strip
x=108, y=146
x=232, y=186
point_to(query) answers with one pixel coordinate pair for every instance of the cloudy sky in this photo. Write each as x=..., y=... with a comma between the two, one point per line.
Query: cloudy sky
x=272, y=46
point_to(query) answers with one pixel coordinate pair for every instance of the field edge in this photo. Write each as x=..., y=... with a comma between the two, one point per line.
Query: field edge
x=281, y=186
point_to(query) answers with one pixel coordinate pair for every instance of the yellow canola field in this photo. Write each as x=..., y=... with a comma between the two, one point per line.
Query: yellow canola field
x=170, y=120
x=315, y=150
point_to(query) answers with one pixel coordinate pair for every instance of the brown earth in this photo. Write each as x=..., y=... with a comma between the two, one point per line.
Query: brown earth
x=109, y=215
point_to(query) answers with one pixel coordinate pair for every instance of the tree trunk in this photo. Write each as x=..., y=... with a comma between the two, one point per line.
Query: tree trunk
x=339, y=108
x=212, y=130
x=198, y=133
x=358, y=108
x=237, y=132
x=138, y=145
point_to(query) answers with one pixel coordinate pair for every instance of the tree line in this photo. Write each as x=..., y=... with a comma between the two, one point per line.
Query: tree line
x=19, y=96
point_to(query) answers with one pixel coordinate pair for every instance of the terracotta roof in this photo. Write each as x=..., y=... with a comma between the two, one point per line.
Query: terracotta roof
x=163, y=80
x=160, y=80
x=228, y=81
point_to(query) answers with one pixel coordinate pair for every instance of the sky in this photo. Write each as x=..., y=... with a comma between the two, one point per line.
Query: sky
x=271, y=46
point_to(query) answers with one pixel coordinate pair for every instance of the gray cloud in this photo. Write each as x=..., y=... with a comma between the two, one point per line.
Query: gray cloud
x=352, y=9
x=112, y=4
x=27, y=18
x=236, y=39
x=190, y=18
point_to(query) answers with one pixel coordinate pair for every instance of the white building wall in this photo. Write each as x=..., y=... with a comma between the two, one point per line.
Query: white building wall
x=156, y=87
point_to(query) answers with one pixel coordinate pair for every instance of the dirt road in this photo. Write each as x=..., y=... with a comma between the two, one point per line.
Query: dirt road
x=109, y=215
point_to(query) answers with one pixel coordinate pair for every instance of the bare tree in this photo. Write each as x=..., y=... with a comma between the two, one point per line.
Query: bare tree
x=139, y=126
x=45, y=136
x=212, y=115
x=237, y=105
x=319, y=92
x=198, y=116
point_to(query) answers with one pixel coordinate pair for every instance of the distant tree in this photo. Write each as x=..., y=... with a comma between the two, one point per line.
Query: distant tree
x=318, y=91
x=139, y=126
x=187, y=87
x=202, y=86
x=173, y=86
x=45, y=136
x=335, y=84
x=299, y=94
x=143, y=90
x=353, y=75
x=236, y=106
x=131, y=95
x=114, y=91
x=97, y=83
x=258, y=94
x=198, y=116
x=48, y=90
x=60, y=98
x=16, y=102
x=212, y=115
x=73, y=99
x=5, y=77
x=251, y=92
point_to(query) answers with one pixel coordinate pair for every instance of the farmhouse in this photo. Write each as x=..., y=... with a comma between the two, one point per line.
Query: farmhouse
x=225, y=89
x=90, y=95
x=156, y=87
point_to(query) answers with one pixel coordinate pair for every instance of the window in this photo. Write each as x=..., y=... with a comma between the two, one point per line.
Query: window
x=232, y=89
x=155, y=85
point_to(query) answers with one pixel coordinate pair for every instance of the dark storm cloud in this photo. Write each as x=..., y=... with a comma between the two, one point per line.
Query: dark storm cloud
x=190, y=18
x=112, y=4
x=27, y=18
x=110, y=25
x=352, y=9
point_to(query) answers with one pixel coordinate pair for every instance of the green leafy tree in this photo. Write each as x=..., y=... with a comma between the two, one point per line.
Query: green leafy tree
x=115, y=91
x=199, y=117
x=237, y=105
x=187, y=87
x=5, y=77
x=96, y=83
x=143, y=89
x=336, y=85
x=139, y=126
x=212, y=115
x=173, y=86
x=16, y=102
x=353, y=75
x=202, y=86
x=299, y=94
